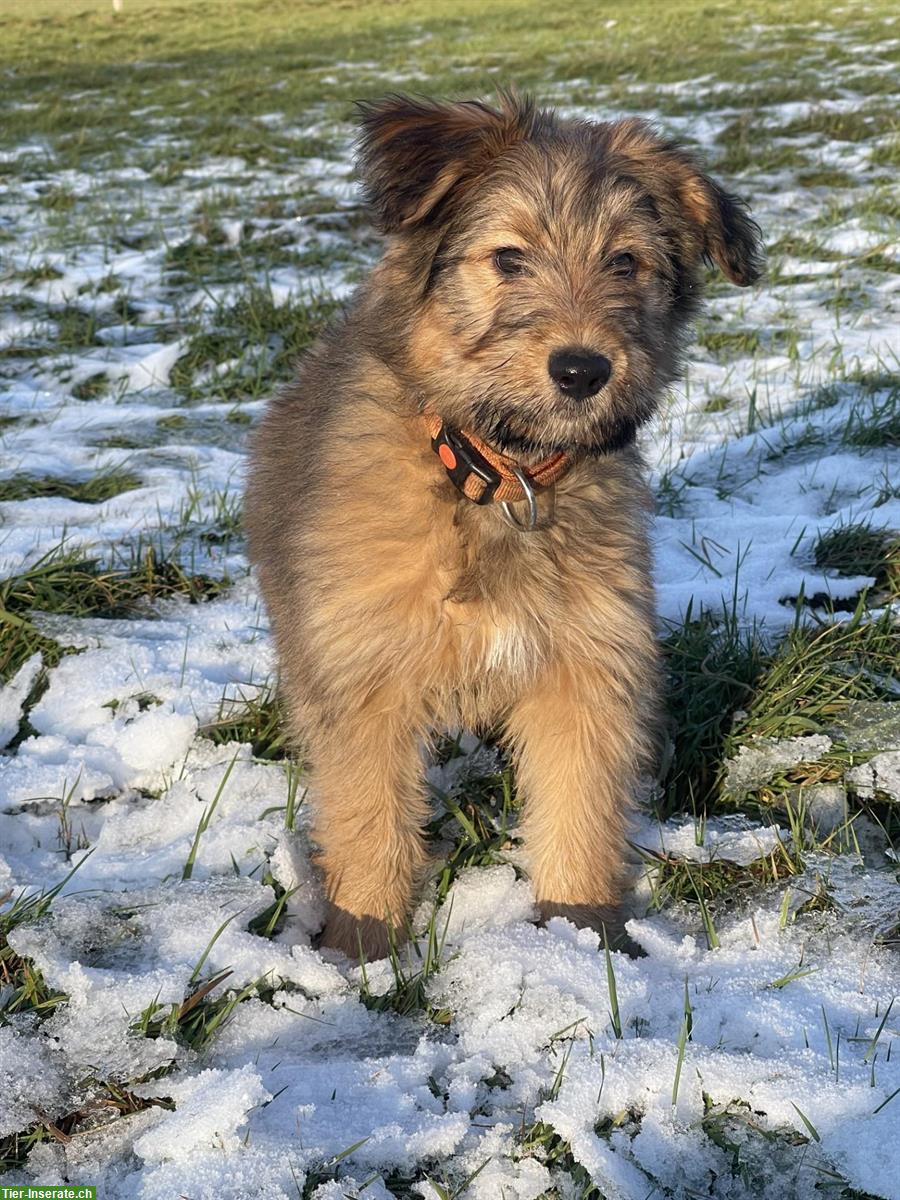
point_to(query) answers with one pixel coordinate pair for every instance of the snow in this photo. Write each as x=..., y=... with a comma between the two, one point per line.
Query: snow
x=210, y=1108
x=756, y=764
x=315, y=1061
x=880, y=774
x=732, y=839
x=13, y=696
x=178, y=843
x=29, y=1078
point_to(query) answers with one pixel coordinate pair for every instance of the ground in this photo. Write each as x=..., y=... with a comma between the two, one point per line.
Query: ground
x=178, y=216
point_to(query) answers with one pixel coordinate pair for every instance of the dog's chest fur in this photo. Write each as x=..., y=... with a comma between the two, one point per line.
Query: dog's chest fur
x=511, y=601
x=488, y=580
x=415, y=583
x=490, y=638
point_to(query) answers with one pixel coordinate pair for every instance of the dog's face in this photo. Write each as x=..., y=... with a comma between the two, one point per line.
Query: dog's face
x=540, y=274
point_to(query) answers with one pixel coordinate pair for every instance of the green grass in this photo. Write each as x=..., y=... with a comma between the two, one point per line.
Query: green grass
x=68, y=584
x=676, y=880
x=23, y=986
x=412, y=968
x=70, y=328
x=887, y=154
x=878, y=425
x=102, y=486
x=728, y=342
x=210, y=259
x=264, y=337
x=737, y=343
x=860, y=550
x=541, y=1142
x=717, y=404
x=727, y=685
x=202, y=261
x=92, y=387
x=40, y=273
x=815, y=674
x=712, y=669
x=827, y=177
x=195, y=1021
x=474, y=828
x=856, y=126
x=255, y=718
x=745, y=147
x=244, y=60
x=883, y=203
x=798, y=245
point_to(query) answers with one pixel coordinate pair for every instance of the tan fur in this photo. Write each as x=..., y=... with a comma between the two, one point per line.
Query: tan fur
x=398, y=606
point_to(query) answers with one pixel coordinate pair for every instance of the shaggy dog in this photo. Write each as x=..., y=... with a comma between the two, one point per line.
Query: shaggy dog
x=447, y=509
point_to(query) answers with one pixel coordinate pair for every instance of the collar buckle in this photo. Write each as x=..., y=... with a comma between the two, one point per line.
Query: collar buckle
x=463, y=464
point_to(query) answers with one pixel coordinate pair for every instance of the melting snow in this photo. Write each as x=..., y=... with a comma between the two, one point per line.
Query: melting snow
x=790, y=1028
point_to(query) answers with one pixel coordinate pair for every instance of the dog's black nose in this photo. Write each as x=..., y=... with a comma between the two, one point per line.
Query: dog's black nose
x=579, y=373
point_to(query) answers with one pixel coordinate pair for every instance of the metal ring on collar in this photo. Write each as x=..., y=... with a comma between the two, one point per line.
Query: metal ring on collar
x=530, y=499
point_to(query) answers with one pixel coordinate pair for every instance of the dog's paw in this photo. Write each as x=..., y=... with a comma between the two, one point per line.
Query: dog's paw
x=359, y=938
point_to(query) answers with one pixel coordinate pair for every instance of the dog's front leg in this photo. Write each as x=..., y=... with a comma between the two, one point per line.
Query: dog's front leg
x=575, y=737
x=370, y=809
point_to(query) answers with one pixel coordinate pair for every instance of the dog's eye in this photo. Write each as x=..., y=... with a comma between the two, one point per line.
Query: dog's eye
x=623, y=265
x=509, y=261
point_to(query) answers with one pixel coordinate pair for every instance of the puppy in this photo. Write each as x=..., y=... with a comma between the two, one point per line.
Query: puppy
x=447, y=510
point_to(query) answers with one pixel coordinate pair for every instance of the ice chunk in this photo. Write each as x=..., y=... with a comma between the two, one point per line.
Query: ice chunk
x=869, y=898
x=731, y=838
x=13, y=696
x=31, y=1080
x=757, y=763
x=825, y=807
x=871, y=725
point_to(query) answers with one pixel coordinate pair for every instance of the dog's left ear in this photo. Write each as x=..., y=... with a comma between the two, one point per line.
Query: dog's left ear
x=731, y=238
x=711, y=223
x=413, y=152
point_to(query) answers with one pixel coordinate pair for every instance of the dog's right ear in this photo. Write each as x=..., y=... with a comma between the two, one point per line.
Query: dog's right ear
x=411, y=152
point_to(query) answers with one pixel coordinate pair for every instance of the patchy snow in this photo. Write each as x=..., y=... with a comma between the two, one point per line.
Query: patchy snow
x=868, y=899
x=758, y=763
x=733, y=839
x=180, y=843
x=144, y=688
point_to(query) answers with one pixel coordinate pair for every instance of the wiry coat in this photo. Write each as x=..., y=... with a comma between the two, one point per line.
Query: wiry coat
x=399, y=606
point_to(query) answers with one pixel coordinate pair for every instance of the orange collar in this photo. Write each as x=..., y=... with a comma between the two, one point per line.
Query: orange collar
x=482, y=474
